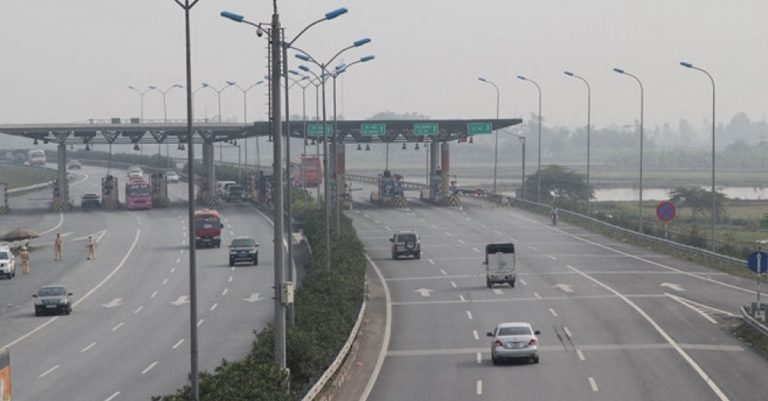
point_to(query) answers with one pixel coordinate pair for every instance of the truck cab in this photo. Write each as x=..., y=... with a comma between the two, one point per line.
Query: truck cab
x=500, y=264
x=207, y=228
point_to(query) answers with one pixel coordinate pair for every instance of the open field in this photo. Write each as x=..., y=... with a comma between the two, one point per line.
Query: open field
x=22, y=176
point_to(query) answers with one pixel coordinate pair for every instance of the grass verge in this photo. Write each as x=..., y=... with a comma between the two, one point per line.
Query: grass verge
x=22, y=176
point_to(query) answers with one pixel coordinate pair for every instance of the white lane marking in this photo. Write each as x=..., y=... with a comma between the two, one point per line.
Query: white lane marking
x=581, y=355
x=461, y=297
x=199, y=322
x=387, y=333
x=181, y=251
x=178, y=260
x=479, y=358
x=112, y=397
x=165, y=281
x=213, y=307
x=431, y=261
x=551, y=257
x=462, y=241
x=119, y=325
x=56, y=227
x=137, y=310
x=154, y=294
x=483, y=225
x=447, y=234
x=91, y=345
x=444, y=273
x=178, y=343
x=434, y=226
x=523, y=282
x=48, y=371
x=719, y=393
x=536, y=294
x=533, y=248
x=479, y=387
x=476, y=250
x=232, y=232
x=498, y=291
x=593, y=384
x=148, y=368
x=552, y=311
x=453, y=284
x=377, y=222
x=475, y=335
x=232, y=269
x=367, y=215
x=498, y=232
x=387, y=228
x=184, y=242
x=469, y=315
x=567, y=332
x=226, y=290
x=173, y=270
x=691, y=307
x=229, y=279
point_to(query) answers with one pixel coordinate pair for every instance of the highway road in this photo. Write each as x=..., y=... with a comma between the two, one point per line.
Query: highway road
x=128, y=336
x=618, y=322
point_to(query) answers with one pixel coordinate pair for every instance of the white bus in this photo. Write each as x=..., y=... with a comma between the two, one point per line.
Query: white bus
x=36, y=157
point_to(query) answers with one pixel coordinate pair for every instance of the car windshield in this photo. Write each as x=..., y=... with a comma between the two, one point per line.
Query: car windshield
x=138, y=190
x=51, y=291
x=513, y=331
x=4, y=255
x=206, y=222
x=406, y=237
x=243, y=242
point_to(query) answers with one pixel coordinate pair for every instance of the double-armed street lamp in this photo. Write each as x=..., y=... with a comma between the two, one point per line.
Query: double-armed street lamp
x=141, y=96
x=218, y=96
x=642, y=103
x=245, y=116
x=714, y=206
x=165, y=109
x=538, y=173
x=589, y=126
x=496, y=145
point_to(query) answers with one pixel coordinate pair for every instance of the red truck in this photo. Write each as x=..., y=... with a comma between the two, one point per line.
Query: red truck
x=310, y=172
x=208, y=228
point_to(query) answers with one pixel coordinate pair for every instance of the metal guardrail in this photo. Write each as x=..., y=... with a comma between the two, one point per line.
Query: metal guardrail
x=414, y=186
x=28, y=189
x=757, y=325
x=320, y=384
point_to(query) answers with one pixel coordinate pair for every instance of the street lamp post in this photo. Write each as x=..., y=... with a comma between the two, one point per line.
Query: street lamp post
x=165, y=110
x=522, y=142
x=642, y=103
x=141, y=96
x=218, y=96
x=589, y=127
x=245, y=111
x=538, y=174
x=714, y=210
x=496, y=146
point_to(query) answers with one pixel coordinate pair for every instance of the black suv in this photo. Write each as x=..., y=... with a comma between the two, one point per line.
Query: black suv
x=52, y=299
x=90, y=201
x=243, y=249
x=405, y=243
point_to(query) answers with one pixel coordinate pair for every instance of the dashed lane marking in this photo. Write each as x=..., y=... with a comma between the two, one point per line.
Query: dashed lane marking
x=165, y=281
x=200, y=322
x=475, y=335
x=479, y=387
x=213, y=307
x=581, y=355
x=154, y=294
x=226, y=290
x=178, y=344
x=86, y=349
x=148, y=368
x=119, y=325
x=498, y=291
x=536, y=294
x=469, y=315
x=593, y=384
x=113, y=396
x=453, y=284
x=551, y=257
x=48, y=371
x=137, y=310
x=567, y=332
x=552, y=311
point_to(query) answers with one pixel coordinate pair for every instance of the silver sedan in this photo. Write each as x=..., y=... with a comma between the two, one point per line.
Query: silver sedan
x=514, y=340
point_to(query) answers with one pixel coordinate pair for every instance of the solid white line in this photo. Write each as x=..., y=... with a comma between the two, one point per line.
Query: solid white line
x=453, y=284
x=704, y=315
x=213, y=307
x=48, y=371
x=56, y=227
x=475, y=335
x=91, y=345
x=552, y=311
x=523, y=282
x=230, y=279
x=719, y=393
x=119, y=325
x=431, y=261
x=551, y=257
x=469, y=315
x=137, y=310
x=567, y=332
x=479, y=358
x=581, y=355
x=178, y=343
x=154, y=294
x=498, y=291
x=226, y=290
x=199, y=322
x=112, y=397
x=536, y=294
x=461, y=297
x=593, y=384
x=148, y=368
x=479, y=387
x=443, y=272
x=165, y=281
x=387, y=333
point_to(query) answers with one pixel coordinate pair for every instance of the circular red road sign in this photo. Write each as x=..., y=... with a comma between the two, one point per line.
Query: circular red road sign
x=666, y=211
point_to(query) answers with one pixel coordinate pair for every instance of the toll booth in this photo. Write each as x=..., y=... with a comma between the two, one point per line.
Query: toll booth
x=4, y=198
x=60, y=202
x=159, y=187
x=110, y=193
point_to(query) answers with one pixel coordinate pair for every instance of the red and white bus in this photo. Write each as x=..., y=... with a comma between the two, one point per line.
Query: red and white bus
x=138, y=194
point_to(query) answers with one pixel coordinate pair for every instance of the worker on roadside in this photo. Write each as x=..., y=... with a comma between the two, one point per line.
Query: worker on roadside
x=91, y=248
x=58, y=246
x=24, y=254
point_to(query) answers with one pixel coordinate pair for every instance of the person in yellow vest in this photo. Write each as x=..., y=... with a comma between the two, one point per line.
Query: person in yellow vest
x=58, y=246
x=24, y=254
x=91, y=248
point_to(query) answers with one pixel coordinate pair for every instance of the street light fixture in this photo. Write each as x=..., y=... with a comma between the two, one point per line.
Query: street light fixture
x=218, y=96
x=714, y=210
x=642, y=103
x=538, y=175
x=245, y=117
x=141, y=95
x=496, y=145
x=589, y=125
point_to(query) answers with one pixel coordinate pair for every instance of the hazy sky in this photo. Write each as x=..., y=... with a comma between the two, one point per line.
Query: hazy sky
x=67, y=61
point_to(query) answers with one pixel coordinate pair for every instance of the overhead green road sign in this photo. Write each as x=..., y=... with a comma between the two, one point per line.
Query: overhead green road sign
x=373, y=129
x=315, y=130
x=479, y=128
x=425, y=129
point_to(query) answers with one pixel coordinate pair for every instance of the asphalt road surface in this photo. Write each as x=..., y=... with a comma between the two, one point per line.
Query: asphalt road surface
x=128, y=336
x=618, y=322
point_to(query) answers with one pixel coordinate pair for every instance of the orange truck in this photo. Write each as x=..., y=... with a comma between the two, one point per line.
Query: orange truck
x=207, y=228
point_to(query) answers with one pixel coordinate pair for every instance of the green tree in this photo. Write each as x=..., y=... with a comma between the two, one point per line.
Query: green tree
x=559, y=184
x=699, y=200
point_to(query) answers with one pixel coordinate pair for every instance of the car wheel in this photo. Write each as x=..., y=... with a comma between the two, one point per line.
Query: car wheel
x=256, y=260
x=494, y=360
x=394, y=256
x=536, y=359
x=417, y=255
x=512, y=283
x=488, y=283
x=231, y=263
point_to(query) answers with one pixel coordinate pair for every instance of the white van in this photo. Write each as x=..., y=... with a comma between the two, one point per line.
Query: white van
x=221, y=187
x=7, y=262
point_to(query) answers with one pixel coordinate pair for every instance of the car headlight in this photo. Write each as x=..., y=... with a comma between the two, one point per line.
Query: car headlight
x=233, y=252
x=64, y=301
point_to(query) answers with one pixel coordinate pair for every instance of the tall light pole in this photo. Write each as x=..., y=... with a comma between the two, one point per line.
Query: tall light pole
x=538, y=174
x=714, y=210
x=245, y=111
x=496, y=146
x=165, y=110
x=194, y=387
x=326, y=187
x=589, y=127
x=642, y=104
x=522, y=142
x=218, y=96
x=141, y=96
